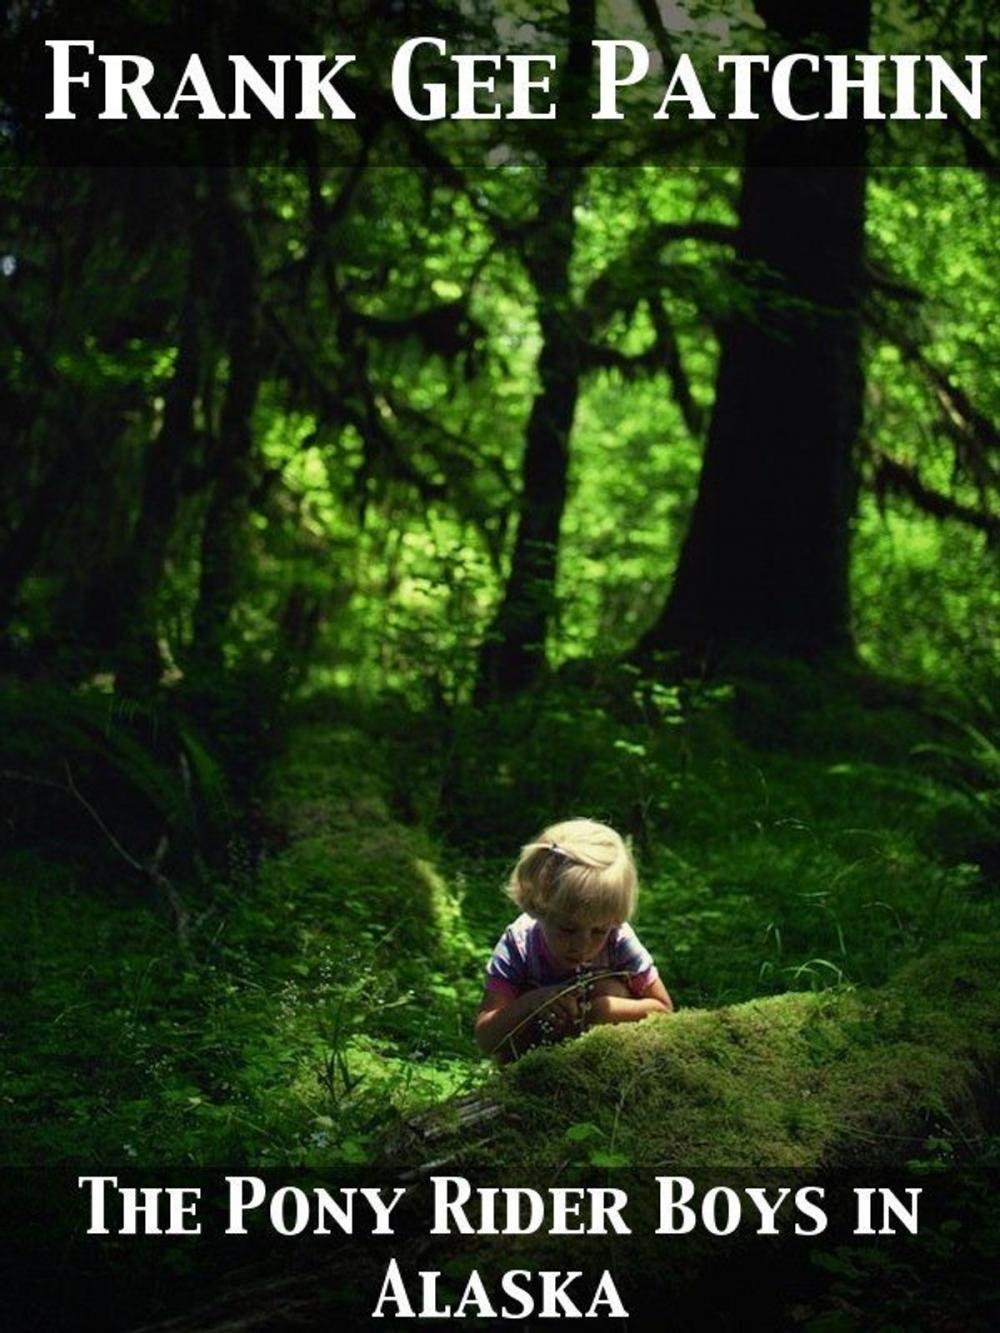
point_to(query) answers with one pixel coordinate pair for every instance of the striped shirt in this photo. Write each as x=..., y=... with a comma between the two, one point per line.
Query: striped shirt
x=522, y=960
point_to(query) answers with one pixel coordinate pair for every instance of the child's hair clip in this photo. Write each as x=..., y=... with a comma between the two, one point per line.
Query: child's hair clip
x=554, y=847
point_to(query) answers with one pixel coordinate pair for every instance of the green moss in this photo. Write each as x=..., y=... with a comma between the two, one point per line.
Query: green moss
x=803, y=1080
x=349, y=859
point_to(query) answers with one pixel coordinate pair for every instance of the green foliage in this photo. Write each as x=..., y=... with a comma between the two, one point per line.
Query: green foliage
x=90, y=774
x=316, y=992
x=947, y=1267
x=799, y=833
x=328, y=988
x=388, y=432
x=246, y=894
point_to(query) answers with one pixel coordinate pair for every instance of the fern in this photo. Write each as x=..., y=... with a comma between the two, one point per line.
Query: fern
x=145, y=774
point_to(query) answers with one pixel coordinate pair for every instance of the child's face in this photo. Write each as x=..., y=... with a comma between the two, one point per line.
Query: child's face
x=573, y=942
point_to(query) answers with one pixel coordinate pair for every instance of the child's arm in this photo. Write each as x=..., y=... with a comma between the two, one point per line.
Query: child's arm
x=499, y=1015
x=618, y=1008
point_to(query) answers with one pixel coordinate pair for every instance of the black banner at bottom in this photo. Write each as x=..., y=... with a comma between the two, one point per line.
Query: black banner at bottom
x=233, y=1249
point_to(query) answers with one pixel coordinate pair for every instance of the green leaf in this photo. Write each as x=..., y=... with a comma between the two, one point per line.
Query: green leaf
x=602, y=1158
x=583, y=1131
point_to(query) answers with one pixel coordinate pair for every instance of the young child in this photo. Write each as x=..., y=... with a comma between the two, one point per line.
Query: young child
x=576, y=884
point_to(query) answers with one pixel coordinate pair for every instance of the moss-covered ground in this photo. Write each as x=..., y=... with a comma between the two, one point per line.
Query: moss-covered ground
x=818, y=873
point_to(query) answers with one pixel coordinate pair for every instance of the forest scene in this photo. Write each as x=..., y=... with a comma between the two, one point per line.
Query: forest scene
x=373, y=497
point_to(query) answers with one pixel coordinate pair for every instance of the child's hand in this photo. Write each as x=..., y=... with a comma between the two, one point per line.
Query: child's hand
x=625, y=1007
x=564, y=1009
x=610, y=986
x=555, y=1016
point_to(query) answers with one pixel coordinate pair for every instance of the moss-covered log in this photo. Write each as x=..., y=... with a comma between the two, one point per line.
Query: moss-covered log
x=342, y=843
x=799, y=1087
x=804, y=1080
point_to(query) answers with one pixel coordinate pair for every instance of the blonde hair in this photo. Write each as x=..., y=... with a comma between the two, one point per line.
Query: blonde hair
x=577, y=868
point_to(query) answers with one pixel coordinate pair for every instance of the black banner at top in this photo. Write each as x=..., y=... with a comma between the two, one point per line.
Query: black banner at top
x=476, y=86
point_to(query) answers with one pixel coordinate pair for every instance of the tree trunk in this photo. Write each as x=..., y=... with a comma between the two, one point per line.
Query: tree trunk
x=233, y=462
x=765, y=562
x=140, y=664
x=46, y=504
x=513, y=654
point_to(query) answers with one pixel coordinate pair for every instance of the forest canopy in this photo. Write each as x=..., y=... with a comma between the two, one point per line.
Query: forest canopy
x=372, y=493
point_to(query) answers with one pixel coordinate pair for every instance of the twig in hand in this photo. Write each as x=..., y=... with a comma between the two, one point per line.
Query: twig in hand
x=578, y=983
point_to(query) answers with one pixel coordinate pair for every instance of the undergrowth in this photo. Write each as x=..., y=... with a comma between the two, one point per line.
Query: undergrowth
x=326, y=988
